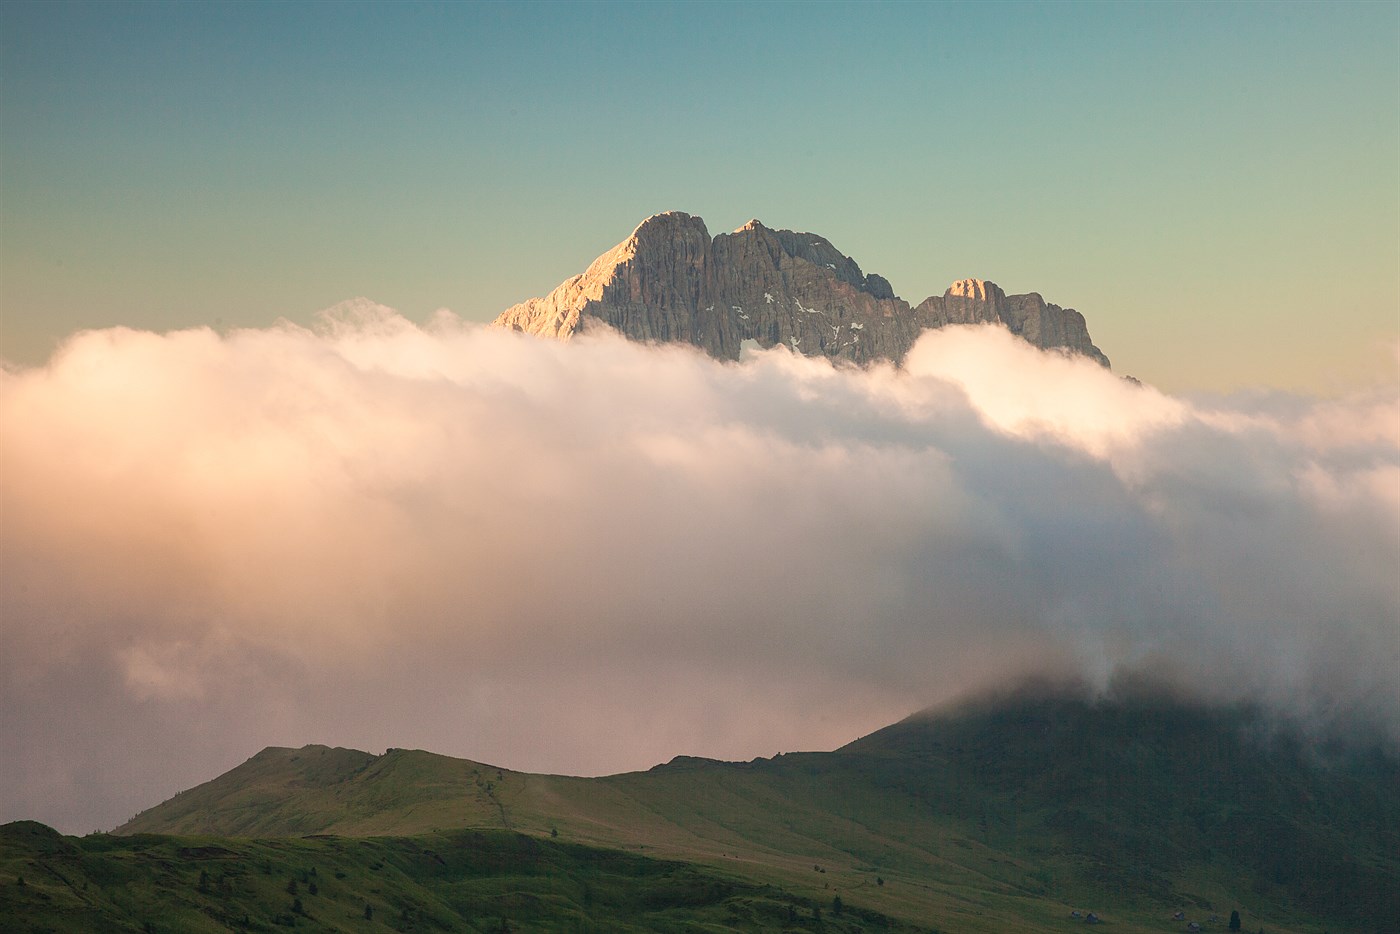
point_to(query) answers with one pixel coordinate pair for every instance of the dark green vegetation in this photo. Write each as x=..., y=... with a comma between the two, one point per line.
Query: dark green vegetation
x=1002, y=816
x=1148, y=794
x=476, y=881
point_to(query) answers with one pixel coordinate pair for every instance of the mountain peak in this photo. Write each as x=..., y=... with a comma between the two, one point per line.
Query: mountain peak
x=977, y=289
x=669, y=220
x=669, y=281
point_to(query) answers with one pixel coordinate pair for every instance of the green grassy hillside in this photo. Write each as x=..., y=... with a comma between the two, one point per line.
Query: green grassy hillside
x=995, y=817
x=465, y=881
x=1143, y=792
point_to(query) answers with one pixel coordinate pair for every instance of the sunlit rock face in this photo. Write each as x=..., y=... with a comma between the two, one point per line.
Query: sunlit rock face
x=669, y=281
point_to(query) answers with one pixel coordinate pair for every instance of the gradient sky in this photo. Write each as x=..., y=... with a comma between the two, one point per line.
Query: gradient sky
x=1215, y=186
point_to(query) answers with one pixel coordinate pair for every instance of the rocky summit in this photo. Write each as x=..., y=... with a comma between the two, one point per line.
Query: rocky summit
x=670, y=281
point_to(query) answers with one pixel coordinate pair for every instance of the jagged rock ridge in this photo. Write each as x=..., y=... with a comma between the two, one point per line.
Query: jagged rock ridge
x=669, y=281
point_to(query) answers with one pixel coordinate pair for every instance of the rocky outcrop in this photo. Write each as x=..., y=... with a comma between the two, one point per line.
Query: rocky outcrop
x=971, y=301
x=669, y=281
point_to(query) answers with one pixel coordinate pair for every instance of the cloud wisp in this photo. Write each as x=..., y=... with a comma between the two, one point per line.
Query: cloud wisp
x=590, y=557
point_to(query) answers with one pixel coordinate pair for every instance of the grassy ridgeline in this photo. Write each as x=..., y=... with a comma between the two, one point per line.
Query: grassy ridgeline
x=999, y=816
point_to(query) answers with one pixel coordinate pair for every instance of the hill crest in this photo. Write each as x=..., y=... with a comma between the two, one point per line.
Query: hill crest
x=1159, y=801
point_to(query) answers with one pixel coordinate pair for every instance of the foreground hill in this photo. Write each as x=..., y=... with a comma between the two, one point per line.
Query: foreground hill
x=669, y=281
x=996, y=817
x=467, y=881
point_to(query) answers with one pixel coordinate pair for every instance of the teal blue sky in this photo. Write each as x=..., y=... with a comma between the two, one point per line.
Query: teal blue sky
x=1216, y=186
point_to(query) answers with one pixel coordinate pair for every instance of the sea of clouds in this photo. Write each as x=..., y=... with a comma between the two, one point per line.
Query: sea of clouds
x=590, y=557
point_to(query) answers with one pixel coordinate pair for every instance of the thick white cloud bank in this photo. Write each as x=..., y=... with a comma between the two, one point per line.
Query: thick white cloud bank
x=591, y=557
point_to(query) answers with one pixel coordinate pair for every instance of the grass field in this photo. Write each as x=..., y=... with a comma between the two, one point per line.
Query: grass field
x=475, y=881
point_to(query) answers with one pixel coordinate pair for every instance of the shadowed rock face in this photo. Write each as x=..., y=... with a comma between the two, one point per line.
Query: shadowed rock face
x=669, y=281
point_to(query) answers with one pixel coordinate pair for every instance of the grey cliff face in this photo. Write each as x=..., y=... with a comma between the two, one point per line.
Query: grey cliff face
x=669, y=281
